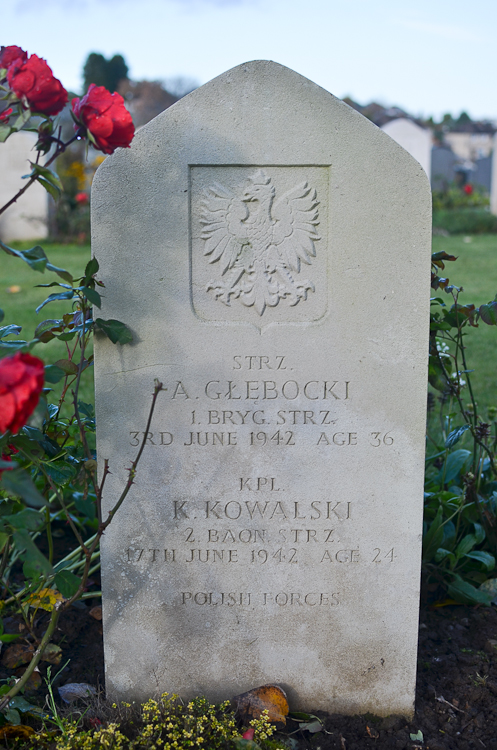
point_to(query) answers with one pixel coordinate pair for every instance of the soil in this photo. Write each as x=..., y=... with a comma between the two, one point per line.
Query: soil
x=456, y=693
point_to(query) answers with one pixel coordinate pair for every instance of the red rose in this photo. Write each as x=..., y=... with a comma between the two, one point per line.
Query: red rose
x=21, y=381
x=104, y=115
x=32, y=80
x=4, y=116
x=468, y=189
x=81, y=198
x=8, y=55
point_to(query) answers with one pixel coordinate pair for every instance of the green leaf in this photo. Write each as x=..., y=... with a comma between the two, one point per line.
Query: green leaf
x=479, y=533
x=5, y=131
x=20, y=484
x=455, y=463
x=52, y=297
x=8, y=330
x=14, y=346
x=22, y=705
x=116, y=331
x=92, y=295
x=485, y=558
x=53, y=374
x=22, y=119
x=433, y=538
x=35, y=257
x=61, y=473
x=488, y=313
x=12, y=717
x=27, y=519
x=91, y=269
x=465, y=545
x=67, y=336
x=454, y=436
x=464, y=592
x=86, y=409
x=52, y=189
x=37, y=564
x=60, y=272
x=70, y=368
x=67, y=583
x=45, y=331
x=47, y=173
x=86, y=507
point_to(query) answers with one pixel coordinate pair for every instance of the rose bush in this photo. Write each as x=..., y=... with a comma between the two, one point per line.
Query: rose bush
x=21, y=383
x=104, y=118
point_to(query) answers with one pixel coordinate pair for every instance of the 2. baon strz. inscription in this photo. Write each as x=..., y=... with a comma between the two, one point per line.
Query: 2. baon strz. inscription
x=259, y=241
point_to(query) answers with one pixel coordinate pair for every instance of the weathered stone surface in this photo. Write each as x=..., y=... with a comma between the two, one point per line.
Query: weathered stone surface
x=273, y=533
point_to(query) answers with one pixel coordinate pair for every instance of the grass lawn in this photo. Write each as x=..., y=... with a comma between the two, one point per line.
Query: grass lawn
x=476, y=271
x=19, y=306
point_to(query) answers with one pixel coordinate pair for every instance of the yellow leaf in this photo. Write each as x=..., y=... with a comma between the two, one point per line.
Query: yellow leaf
x=45, y=599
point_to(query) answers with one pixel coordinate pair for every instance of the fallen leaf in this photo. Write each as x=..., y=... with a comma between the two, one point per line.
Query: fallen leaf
x=270, y=698
x=34, y=681
x=17, y=654
x=10, y=732
x=372, y=733
x=45, y=599
x=52, y=653
x=418, y=736
x=96, y=612
x=74, y=691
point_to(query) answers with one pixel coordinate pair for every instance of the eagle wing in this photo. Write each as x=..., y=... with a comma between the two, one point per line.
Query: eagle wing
x=222, y=216
x=294, y=231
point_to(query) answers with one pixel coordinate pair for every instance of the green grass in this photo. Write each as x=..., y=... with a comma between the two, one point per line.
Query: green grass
x=19, y=307
x=476, y=271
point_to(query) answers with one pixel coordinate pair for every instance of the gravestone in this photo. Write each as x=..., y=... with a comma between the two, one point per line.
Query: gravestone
x=269, y=248
x=27, y=218
x=416, y=140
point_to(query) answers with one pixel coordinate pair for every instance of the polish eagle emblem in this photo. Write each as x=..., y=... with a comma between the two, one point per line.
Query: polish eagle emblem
x=259, y=241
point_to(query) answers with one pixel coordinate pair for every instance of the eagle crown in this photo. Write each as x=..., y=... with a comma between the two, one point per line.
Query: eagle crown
x=259, y=188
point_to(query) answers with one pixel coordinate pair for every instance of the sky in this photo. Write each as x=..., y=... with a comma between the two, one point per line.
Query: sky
x=428, y=57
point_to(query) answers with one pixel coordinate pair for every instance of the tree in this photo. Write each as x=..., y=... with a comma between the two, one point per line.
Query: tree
x=103, y=72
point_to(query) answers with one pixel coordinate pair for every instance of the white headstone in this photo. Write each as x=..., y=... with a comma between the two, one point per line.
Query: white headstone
x=270, y=249
x=27, y=218
x=493, y=179
x=417, y=141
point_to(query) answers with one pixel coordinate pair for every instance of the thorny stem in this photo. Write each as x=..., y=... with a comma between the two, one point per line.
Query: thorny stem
x=132, y=469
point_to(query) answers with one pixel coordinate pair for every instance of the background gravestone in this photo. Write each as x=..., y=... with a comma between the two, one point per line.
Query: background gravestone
x=270, y=249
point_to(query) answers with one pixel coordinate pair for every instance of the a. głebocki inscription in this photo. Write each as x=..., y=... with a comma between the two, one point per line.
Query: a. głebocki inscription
x=259, y=241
